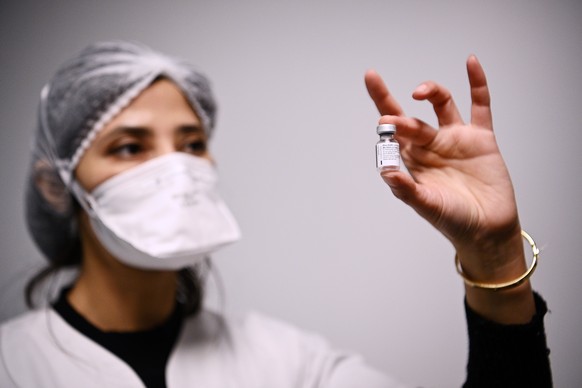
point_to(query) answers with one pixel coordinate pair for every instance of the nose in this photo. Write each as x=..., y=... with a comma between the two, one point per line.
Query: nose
x=163, y=146
x=165, y=149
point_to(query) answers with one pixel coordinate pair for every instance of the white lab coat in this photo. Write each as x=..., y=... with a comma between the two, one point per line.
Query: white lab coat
x=40, y=349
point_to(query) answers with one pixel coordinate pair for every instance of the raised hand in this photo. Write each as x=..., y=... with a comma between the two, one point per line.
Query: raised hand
x=458, y=180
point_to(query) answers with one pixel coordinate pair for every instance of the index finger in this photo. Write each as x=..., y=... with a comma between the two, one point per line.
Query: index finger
x=386, y=104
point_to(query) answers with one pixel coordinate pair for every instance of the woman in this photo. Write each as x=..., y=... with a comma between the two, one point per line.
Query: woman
x=123, y=187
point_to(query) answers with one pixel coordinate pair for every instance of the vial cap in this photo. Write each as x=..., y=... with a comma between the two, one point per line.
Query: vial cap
x=385, y=128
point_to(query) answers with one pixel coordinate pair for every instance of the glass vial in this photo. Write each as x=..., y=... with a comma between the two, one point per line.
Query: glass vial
x=387, y=148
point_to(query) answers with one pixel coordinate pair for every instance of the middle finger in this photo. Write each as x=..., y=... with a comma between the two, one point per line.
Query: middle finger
x=442, y=101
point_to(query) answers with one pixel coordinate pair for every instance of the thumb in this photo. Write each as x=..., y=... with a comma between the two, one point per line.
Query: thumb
x=414, y=195
x=402, y=185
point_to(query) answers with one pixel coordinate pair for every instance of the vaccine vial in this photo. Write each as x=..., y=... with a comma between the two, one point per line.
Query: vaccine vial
x=387, y=148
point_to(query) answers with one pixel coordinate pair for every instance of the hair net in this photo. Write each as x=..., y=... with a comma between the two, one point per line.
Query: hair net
x=83, y=96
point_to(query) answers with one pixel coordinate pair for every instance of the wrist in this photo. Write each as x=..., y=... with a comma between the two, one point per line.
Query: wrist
x=497, y=286
x=512, y=306
x=493, y=260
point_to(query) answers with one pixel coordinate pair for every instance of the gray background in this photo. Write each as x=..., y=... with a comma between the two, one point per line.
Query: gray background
x=326, y=246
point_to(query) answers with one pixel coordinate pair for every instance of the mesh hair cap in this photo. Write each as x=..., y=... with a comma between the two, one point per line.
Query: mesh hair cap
x=84, y=95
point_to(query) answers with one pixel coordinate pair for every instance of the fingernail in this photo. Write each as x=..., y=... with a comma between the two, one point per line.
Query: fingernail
x=421, y=88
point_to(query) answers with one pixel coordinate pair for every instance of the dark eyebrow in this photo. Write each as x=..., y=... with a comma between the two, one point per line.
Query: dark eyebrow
x=143, y=132
x=126, y=130
x=190, y=128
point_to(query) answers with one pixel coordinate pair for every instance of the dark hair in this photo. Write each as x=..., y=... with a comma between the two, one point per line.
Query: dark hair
x=191, y=280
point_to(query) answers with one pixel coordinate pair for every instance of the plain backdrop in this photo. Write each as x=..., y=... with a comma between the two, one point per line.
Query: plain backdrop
x=326, y=246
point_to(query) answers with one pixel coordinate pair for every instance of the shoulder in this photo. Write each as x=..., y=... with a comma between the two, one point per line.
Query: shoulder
x=40, y=349
x=274, y=334
x=256, y=332
x=21, y=342
x=23, y=330
x=265, y=351
x=316, y=360
x=254, y=351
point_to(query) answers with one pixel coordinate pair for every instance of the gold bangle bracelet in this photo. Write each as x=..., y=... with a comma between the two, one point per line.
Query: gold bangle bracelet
x=506, y=285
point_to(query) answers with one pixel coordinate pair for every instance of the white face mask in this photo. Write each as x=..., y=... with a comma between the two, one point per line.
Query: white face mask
x=162, y=214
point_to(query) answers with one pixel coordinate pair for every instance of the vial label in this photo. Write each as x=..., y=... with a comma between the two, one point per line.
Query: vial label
x=388, y=156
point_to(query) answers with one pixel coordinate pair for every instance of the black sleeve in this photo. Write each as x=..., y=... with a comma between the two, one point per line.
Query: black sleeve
x=508, y=355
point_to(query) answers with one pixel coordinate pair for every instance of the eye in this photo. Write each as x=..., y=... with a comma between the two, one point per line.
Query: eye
x=196, y=147
x=126, y=150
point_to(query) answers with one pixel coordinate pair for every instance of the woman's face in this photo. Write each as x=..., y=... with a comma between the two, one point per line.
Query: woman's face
x=159, y=121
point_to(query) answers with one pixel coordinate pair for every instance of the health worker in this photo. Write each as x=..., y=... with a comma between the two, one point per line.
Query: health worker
x=123, y=189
